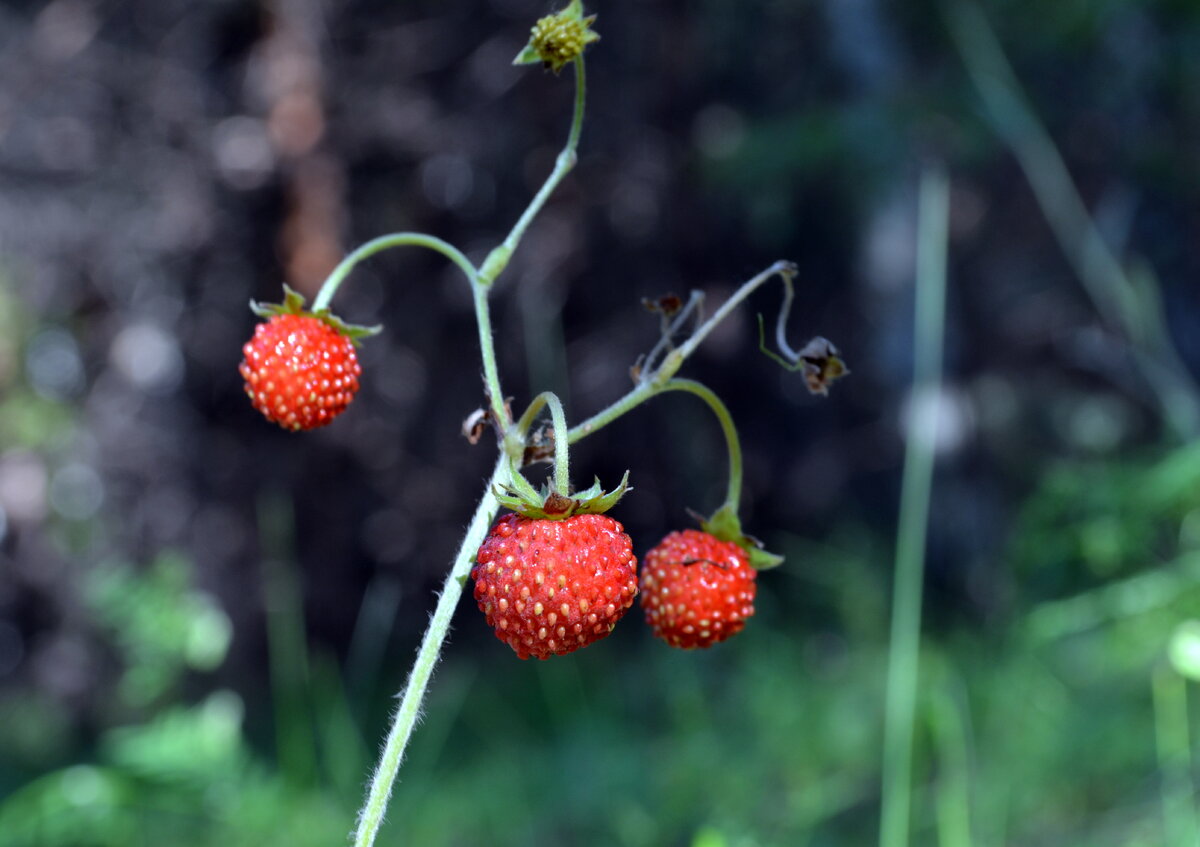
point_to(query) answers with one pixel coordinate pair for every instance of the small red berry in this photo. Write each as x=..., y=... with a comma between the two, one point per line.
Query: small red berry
x=696, y=589
x=552, y=586
x=300, y=372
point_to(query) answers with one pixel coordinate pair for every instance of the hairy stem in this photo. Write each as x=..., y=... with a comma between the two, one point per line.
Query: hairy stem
x=479, y=291
x=562, y=476
x=495, y=263
x=371, y=816
x=487, y=350
x=386, y=242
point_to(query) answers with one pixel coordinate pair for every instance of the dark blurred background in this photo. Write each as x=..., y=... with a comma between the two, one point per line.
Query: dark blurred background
x=202, y=617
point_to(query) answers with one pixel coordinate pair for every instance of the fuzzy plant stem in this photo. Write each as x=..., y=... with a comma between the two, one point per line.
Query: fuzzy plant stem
x=497, y=260
x=387, y=242
x=903, y=654
x=516, y=441
x=409, y=710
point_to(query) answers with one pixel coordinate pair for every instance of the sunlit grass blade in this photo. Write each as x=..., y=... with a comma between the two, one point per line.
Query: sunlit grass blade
x=903, y=657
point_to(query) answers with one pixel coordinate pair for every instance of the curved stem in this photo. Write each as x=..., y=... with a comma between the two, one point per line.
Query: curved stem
x=386, y=242
x=483, y=318
x=653, y=381
x=371, y=816
x=498, y=259
x=562, y=165
x=734, y=491
x=672, y=362
x=487, y=350
x=562, y=476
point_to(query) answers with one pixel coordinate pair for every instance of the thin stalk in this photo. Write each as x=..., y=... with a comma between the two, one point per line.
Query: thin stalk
x=562, y=440
x=653, y=382
x=487, y=350
x=1174, y=759
x=495, y=263
x=732, y=444
x=949, y=730
x=694, y=302
x=903, y=655
x=562, y=475
x=482, y=314
x=671, y=364
x=371, y=816
x=386, y=242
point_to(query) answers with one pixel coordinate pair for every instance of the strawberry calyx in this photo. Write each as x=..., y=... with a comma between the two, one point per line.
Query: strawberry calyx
x=724, y=524
x=550, y=504
x=294, y=304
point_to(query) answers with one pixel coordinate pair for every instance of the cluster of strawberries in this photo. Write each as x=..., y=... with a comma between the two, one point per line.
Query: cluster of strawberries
x=552, y=586
x=546, y=586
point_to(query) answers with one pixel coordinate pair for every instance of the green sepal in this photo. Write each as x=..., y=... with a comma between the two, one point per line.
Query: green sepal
x=527, y=56
x=294, y=304
x=548, y=504
x=726, y=526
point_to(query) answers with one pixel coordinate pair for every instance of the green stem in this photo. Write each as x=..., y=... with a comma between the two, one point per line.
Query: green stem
x=386, y=242
x=371, y=816
x=487, y=350
x=483, y=318
x=495, y=263
x=733, y=493
x=948, y=726
x=903, y=655
x=562, y=476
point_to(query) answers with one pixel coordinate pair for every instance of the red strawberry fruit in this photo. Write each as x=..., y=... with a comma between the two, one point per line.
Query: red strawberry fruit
x=300, y=372
x=300, y=368
x=552, y=586
x=696, y=589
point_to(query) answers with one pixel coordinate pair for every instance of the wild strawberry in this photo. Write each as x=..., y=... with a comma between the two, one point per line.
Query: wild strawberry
x=552, y=586
x=300, y=367
x=299, y=371
x=696, y=589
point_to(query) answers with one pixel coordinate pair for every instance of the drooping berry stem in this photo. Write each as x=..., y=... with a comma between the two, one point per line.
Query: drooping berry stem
x=562, y=476
x=497, y=260
x=479, y=291
x=387, y=242
x=732, y=444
